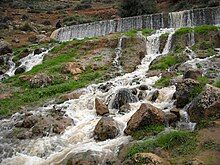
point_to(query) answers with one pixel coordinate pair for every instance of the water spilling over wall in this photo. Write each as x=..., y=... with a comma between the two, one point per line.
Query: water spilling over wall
x=186, y=18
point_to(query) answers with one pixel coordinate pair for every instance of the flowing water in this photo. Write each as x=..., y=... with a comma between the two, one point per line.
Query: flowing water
x=79, y=138
x=28, y=62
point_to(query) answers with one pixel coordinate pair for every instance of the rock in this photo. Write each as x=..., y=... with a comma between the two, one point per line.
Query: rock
x=192, y=73
x=85, y=158
x=38, y=51
x=73, y=68
x=134, y=91
x=168, y=74
x=176, y=112
x=106, y=128
x=171, y=118
x=195, y=162
x=142, y=95
x=183, y=91
x=152, y=73
x=105, y=87
x=122, y=97
x=205, y=105
x=101, y=108
x=143, y=87
x=20, y=70
x=40, y=80
x=24, y=53
x=71, y=96
x=146, y=115
x=41, y=38
x=125, y=108
x=149, y=158
x=154, y=96
x=2, y=61
x=15, y=40
x=5, y=47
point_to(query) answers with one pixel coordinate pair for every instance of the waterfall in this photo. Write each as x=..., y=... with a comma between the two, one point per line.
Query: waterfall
x=79, y=138
x=186, y=18
x=118, y=53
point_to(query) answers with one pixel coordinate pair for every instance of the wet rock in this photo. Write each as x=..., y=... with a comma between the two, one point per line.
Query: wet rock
x=123, y=97
x=193, y=74
x=85, y=158
x=24, y=53
x=105, y=87
x=171, y=118
x=143, y=87
x=146, y=115
x=101, y=108
x=176, y=112
x=71, y=96
x=153, y=73
x=38, y=51
x=20, y=70
x=205, y=105
x=149, y=158
x=73, y=68
x=168, y=74
x=40, y=80
x=183, y=91
x=29, y=121
x=154, y=96
x=134, y=91
x=142, y=95
x=107, y=128
x=5, y=47
x=125, y=108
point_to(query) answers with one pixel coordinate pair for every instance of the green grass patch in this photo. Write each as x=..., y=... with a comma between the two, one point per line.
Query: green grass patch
x=164, y=62
x=204, y=29
x=177, y=142
x=148, y=131
x=217, y=83
x=184, y=30
x=131, y=33
x=147, y=32
x=163, y=82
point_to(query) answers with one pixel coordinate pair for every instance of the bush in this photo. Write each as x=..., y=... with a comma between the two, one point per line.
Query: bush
x=26, y=27
x=130, y=8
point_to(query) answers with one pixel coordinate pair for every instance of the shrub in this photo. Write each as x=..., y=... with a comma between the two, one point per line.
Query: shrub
x=183, y=30
x=204, y=29
x=217, y=83
x=26, y=27
x=130, y=8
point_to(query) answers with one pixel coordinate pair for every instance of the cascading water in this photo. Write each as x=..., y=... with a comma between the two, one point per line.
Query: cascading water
x=79, y=138
x=118, y=53
x=28, y=62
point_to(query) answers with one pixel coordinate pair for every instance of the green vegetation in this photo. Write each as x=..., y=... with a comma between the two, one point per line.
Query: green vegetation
x=148, y=131
x=130, y=8
x=184, y=30
x=177, y=142
x=217, y=83
x=167, y=61
x=198, y=89
x=131, y=33
x=163, y=82
x=147, y=32
x=204, y=29
x=28, y=96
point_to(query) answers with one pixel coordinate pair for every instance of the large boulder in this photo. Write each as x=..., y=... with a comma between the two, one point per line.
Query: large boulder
x=73, y=68
x=20, y=70
x=40, y=80
x=192, y=73
x=146, y=115
x=122, y=97
x=205, y=105
x=184, y=90
x=149, y=158
x=101, y=108
x=38, y=51
x=107, y=128
x=5, y=47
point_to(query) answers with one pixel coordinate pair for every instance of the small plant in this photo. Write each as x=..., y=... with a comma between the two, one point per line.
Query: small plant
x=217, y=83
x=205, y=29
x=147, y=32
x=184, y=30
x=131, y=33
x=163, y=82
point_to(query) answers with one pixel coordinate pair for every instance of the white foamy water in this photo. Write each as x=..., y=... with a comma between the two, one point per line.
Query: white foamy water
x=79, y=137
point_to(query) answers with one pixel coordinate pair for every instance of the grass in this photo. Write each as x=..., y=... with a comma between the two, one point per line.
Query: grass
x=148, y=131
x=184, y=30
x=198, y=89
x=147, y=32
x=131, y=33
x=164, y=62
x=217, y=83
x=204, y=29
x=163, y=82
x=177, y=142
